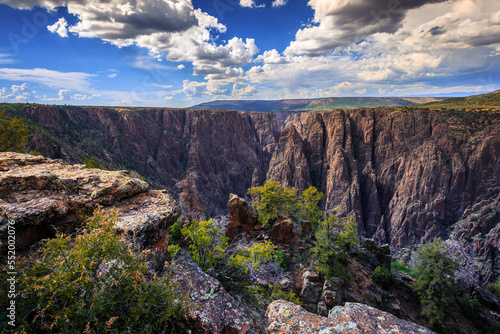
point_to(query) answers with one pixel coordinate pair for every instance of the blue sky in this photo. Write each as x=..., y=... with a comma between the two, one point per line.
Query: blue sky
x=181, y=52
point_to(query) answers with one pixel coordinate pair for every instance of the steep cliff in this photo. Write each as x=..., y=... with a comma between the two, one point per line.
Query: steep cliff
x=408, y=175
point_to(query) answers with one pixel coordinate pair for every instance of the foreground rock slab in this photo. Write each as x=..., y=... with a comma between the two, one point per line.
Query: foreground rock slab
x=213, y=309
x=44, y=196
x=353, y=318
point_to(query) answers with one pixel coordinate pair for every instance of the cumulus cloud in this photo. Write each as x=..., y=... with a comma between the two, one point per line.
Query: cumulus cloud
x=66, y=95
x=250, y=4
x=20, y=93
x=60, y=27
x=340, y=23
x=279, y=3
x=171, y=28
x=181, y=67
x=272, y=57
x=240, y=90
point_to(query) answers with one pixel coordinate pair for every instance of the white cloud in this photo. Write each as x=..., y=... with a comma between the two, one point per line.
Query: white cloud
x=171, y=28
x=340, y=23
x=240, y=91
x=60, y=27
x=279, y=3
x=181, y=67
x=20, y=93
x=54, y=79
x=272, y=57
x=65, y=95
x=251, y=4
x=5, y=59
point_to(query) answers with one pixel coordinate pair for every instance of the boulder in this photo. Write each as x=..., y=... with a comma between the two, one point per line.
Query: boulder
x=310, y=292
x=282, y=232
x=243, y=217
x=212, y=309
x=285, y=317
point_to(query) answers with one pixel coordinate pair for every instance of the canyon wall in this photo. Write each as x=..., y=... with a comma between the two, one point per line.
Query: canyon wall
x=408, y=175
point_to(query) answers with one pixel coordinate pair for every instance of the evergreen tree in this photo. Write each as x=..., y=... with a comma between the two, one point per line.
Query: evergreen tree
x=435, y=272
x=13, y=134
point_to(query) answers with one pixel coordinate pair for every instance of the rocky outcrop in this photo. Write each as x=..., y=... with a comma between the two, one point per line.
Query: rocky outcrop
x=44, y=196
x=212, y=309
x=243, y=217
x=353, y=318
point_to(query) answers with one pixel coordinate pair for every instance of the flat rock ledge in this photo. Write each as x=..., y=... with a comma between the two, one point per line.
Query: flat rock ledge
x=213, y=310
x=353, y=318
x=43, y=196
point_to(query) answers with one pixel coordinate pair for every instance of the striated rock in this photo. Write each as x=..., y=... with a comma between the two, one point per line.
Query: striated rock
x=289, y=165
x=212, y=310
x=285, y=317
x=242, y=217
x=43, y=195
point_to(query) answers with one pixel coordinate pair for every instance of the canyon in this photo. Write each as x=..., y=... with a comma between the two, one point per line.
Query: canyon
x=408, y=175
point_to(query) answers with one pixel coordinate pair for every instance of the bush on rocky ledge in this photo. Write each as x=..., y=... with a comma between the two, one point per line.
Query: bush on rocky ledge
x=93, y=283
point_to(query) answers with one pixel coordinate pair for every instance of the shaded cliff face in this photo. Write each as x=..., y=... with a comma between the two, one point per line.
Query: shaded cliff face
x=225, y=151
x=407, y=175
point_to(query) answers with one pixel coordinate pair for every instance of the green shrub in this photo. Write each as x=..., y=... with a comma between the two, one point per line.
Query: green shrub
x=435, y=272
x=282, y=259
x=272, y=201
x=92, y=164
x=250, y=259
x=208, y=243
x=175, y=231
x=264, y=296
x=334, y=236
x=400, y=266
x=94, y=283
x=495, y=287
x=469, y=304
x=383, y=276
x=309, y=206
x=13, y=134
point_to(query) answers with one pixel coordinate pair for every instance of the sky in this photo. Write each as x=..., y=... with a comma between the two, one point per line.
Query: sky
x=178, y=53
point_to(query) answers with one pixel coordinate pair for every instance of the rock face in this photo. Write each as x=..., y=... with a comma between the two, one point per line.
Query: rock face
x=213, y=309
x=408, y=176
x=243, y=217
x=43, y=196
x=285, y=317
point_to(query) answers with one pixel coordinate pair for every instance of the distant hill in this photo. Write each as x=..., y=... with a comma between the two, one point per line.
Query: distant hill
x=482, y=101
x=329, y=103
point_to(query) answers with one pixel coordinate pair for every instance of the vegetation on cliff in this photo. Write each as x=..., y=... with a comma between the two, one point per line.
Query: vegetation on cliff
x=272, y=201
x=93, y=283
x=13, y=134
x=435, y=272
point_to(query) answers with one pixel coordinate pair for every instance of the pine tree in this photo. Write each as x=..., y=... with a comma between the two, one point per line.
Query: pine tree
x=13, y=134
